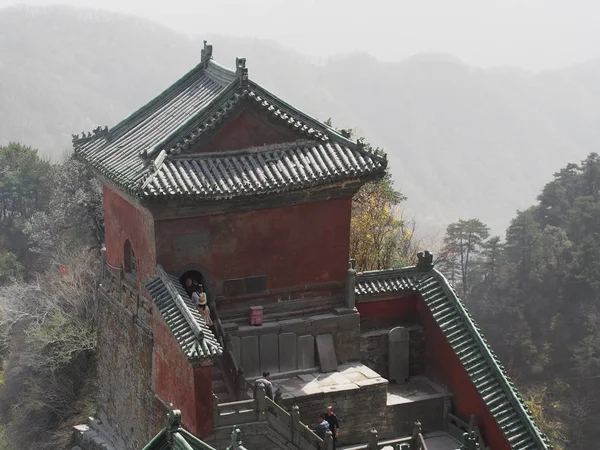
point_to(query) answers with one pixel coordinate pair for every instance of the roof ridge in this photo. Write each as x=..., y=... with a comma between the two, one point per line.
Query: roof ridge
x=165, y=278
x=244, y=151
x=514, y=396
x=374, y=274
x=215, y=71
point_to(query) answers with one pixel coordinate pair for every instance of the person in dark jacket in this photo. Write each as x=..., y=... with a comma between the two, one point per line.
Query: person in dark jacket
x=334, y=424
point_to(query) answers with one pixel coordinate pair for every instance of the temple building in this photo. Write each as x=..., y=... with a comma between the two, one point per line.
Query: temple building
x=219, y=183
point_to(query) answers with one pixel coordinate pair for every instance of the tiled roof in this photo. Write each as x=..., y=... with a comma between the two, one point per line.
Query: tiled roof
x=261, y=170
x=139, y=154
x=196, y=340
x=478, y=359
x=174, y=437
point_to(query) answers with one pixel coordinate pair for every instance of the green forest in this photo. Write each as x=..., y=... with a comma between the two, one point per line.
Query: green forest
x=51, y=230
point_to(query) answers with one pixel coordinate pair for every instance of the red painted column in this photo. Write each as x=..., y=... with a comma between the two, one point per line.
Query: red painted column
x=203, y=397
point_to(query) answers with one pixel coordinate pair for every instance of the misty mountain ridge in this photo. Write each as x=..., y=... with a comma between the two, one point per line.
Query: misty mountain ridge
x=462, y=141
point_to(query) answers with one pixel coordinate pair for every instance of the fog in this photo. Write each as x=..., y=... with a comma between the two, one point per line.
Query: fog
x=533, y=34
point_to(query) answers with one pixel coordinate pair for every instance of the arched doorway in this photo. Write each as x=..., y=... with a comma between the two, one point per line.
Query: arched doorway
x=195, y=278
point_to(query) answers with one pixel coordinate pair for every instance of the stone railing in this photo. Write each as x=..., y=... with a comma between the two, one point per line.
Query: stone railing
x=457, y=428
x=231, y=371
x=260, y=409
x=415, y=442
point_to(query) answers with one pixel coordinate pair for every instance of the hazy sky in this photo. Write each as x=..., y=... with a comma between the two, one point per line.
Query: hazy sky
x=536, y=34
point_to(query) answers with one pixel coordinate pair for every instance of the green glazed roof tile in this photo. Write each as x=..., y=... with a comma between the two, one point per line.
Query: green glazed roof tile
x=142, y=154
x=479, y=361
x=175, y=437
x=193, y=336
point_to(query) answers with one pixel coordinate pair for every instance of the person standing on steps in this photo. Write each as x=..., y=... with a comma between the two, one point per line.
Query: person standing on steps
x=334, y=424
x=202, y=305
x=321, y=428
x=266, y=382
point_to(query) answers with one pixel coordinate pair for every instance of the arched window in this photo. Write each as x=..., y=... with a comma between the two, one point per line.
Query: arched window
x=129, y=262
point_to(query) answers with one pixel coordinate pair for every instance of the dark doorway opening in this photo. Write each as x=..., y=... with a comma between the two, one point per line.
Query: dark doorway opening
x=195, y=278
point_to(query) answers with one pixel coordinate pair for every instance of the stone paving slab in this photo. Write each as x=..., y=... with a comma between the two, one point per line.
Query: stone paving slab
x=416, y=389
x=348, y=377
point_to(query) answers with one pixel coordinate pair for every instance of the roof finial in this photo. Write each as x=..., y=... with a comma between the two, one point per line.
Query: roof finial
x=241, y=71
x=425, y=260
x=173, y=420
x=206, y=53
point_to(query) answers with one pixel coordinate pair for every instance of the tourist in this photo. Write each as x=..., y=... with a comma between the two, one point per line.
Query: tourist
x=265, y=381
x=322, y=426
x=334, y=425
x=199, y=298
x=189, y=287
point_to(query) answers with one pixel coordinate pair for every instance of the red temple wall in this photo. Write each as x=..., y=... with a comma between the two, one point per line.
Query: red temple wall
x=177, y=382
x=122, y=221
x=397, y=308
x=291, y=246
x=441, y=363
x=244, y=131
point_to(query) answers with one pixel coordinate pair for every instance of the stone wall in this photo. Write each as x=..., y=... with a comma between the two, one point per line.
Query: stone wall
x=357, y=411
x=289, y=345
x=374, y=349
x=126, y=401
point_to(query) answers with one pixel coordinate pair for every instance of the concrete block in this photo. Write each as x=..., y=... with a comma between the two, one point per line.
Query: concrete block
x=324, y=324
x=288, y=356
x=306, y=352
x=326, y=352
x=251, y=330
x=398, y=354
x=250, y=356
x=298, y=326
x=269, y=353
x=349, y=322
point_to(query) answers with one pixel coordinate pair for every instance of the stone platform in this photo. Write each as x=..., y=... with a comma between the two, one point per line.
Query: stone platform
x=416, y=389
x=348, y=377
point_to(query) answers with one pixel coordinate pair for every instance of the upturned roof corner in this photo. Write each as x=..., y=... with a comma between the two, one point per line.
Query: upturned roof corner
x=135, y=154
x=206, y=54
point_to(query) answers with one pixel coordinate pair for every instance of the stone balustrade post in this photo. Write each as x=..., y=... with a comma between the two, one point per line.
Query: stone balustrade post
x=295, y=425
x=241, y=383
x=373, y=440
x=261, y=403
x=215, y=410
x=415, y=443
x=350, y=286
x=328, y=440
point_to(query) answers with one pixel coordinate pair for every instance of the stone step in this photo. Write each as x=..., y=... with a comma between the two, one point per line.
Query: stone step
x=219, y=386
x=217, y=373
x=223, y=397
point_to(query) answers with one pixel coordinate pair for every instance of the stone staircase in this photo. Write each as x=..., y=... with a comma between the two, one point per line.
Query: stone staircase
x=219, y=384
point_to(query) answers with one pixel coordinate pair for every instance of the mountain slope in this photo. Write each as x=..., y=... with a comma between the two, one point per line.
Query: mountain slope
x=463, y=142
